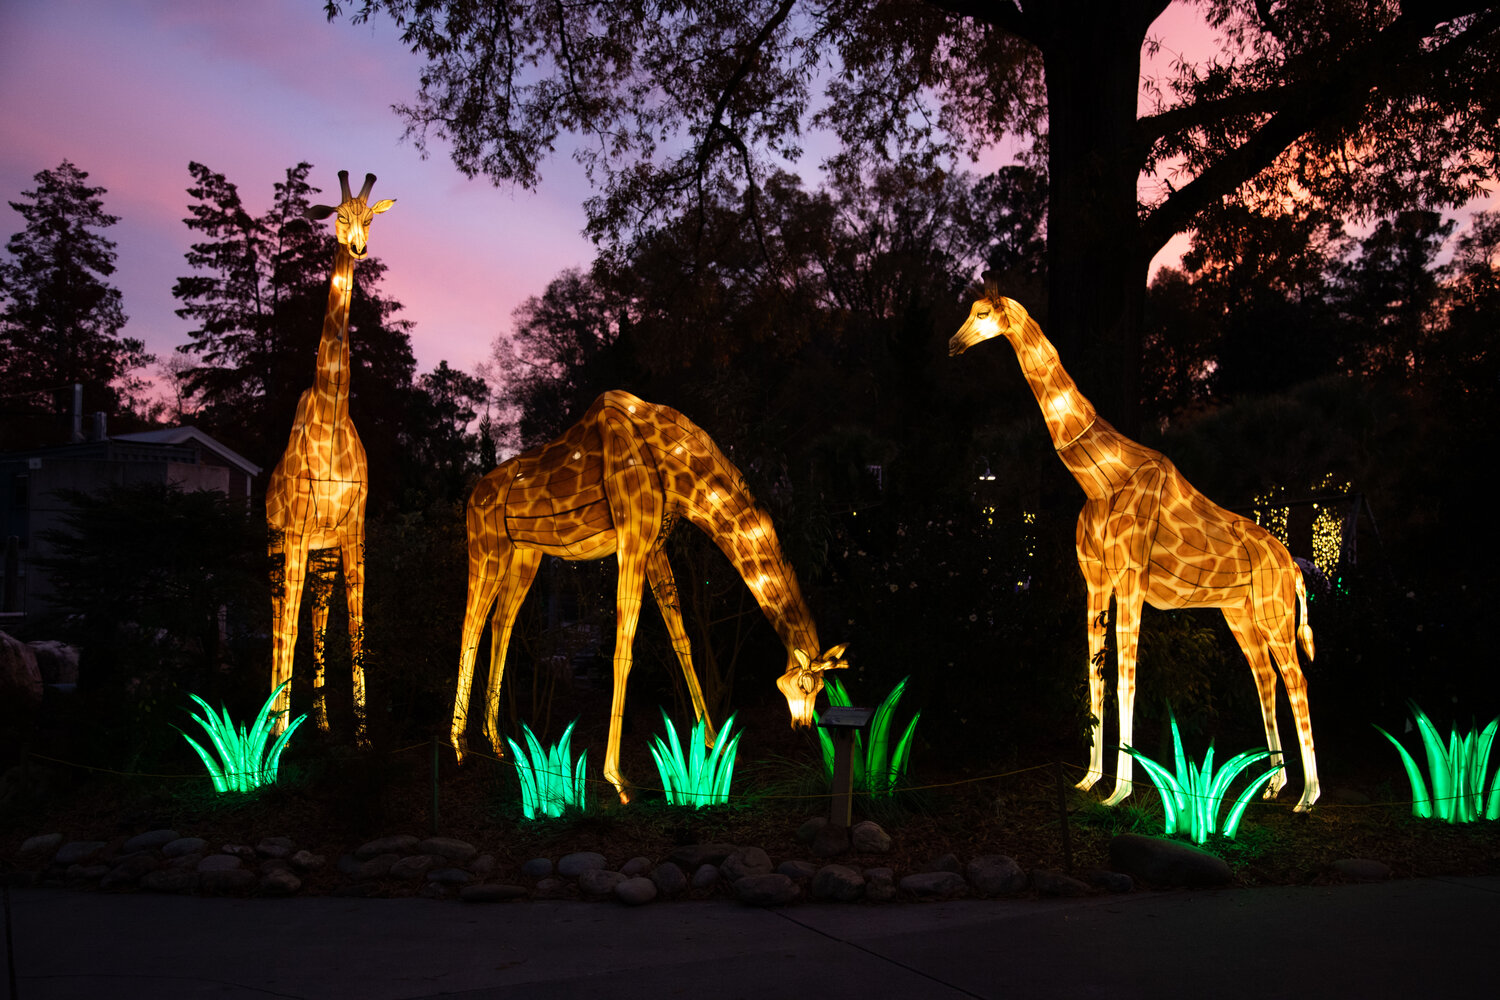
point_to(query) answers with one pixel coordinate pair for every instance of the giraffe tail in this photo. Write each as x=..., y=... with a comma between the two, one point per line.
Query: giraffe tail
x=1304, y=629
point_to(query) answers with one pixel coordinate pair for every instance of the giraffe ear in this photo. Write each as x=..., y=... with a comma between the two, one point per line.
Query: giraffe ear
x=383, y=206
x=802, y=660
x=992, y=287
x=835, y=653
x=320, y=211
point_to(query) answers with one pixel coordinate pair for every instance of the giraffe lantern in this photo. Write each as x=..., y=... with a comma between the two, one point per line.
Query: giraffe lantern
x=1147, y=536
x=615, y=483
x=315, y=501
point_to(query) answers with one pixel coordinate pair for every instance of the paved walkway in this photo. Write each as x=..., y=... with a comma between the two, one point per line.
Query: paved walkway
x=1397, y=939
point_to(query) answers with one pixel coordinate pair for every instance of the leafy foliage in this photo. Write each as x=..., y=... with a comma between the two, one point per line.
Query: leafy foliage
x=244, y=762
x=1458, y=773
x=880, y=766
x=60, y=319
x=550, y=780
x=696, y=775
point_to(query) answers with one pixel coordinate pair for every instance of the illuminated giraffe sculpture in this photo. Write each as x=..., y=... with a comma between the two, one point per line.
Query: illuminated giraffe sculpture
x=616, y=483
x=1147, y=536
x=316, y=497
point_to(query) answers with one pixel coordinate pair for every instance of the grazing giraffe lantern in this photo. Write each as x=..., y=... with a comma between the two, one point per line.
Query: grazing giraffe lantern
x=615, y=483
x=315, y=500
x=1147, y=536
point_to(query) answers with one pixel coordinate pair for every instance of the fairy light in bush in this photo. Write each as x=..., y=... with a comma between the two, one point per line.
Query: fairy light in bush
x=1328, y=529
x=1271, y=512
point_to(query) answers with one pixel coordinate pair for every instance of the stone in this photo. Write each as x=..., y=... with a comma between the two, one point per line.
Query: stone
x=280, y=882
x=78, y=852
x=693, y=856
x=357, y=890
x=400, y=845
x=220, y=863
x=308, y=861
x=349, y=865
x=270, y=865
x=935, y=885
x=766, y=890
x=275, y=847
x=170, y=880
x=154, y=840
x=1167, y=862
x=868, y=837
x=808, y=832
x=635, y=891
x=1362, y=869
x=244, y=851
x=799, y=871
x=746, y=861
x=537, y=868
x=635, y=866
x=458, y=851
x=1051, y=883
x=483, y=865
x=838, y=883
x=41, y=844
x=944, y=863
x=880, y=885
x=56, y=661
x=435, y=890
x=377, y=867
x=830, y=841
x=450, y=876
x=183, y=845
x=491, y=892
x=574, y=865
x=130, y=870
x=669, y=878
x=995, y=875
x=20, y=678
x=87, y=873
x=187, y=862
x=597, y=883
x=1103, y=878
x=413, y=867
x=226, y=880
x=705, y=876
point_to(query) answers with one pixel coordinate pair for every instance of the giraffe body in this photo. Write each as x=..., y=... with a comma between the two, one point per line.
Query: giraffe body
x=1146, y=536
x=315, y=500
x=615, y=484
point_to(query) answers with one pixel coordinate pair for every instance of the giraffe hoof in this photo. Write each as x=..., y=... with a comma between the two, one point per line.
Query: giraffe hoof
x=1120, y=795
x=1088, y=781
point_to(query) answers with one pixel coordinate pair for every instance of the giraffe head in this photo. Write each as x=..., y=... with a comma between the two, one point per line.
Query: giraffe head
x=354, y=214
x=804, y=679
x=992, y=315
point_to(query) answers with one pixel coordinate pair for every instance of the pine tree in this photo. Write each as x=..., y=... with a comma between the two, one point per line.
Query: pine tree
x=60, y=319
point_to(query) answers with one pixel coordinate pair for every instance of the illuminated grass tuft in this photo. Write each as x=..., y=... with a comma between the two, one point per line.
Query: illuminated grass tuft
x=696, y=775
x=1191, y=799
x=1458, y=772
x=244, y=763
x=877, y=770
x=549, y=781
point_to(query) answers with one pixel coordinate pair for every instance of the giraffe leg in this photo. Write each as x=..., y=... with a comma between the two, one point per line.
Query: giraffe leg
x=636, y=507
x=518, y=579
x=664, y=589
x=321, y=569
x=1129, y=601
x=286, y=602
x=1098, y=633
x=353, y=551
x=489, y=559
x=1253, y=642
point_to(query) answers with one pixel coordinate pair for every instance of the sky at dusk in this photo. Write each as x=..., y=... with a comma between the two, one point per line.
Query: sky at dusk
x=132, y=90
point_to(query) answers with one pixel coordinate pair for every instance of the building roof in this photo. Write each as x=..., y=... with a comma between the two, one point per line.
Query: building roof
x=185, y=435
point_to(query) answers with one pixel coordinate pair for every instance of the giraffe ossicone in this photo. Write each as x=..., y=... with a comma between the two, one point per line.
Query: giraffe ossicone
x=615, y=483
x=315, y=500
x=1146, y=536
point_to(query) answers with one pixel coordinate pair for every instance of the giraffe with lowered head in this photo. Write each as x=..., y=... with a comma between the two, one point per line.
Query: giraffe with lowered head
x=615, y=484
x=315, y=500
x=1147, y=536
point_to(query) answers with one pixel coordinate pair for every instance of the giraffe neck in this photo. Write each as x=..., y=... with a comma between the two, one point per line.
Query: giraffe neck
x=722, y=506
x=332, y=379
x=1097, y=455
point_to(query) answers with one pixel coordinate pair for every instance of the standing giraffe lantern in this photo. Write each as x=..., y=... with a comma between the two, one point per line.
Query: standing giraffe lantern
x=315, y=500
x=1147, y=536
x=615, y=484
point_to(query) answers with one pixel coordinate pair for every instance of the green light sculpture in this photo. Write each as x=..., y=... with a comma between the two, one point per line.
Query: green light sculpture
x=697, y=775
x=244, y=763
x=1458, y=771
x=550, y=782
x=876, y=769
x=1191, y=799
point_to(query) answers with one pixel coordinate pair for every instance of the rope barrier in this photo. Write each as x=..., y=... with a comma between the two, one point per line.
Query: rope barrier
x=746, y=796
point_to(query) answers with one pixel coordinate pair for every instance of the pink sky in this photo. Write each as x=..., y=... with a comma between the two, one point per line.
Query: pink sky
x=132, y=90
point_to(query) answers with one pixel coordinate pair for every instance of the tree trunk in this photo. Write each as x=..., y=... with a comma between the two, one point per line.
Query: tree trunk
x=1096, y=270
